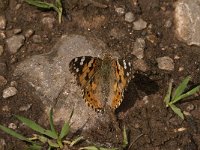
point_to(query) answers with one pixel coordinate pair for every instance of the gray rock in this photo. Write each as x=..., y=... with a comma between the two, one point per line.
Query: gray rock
x=3, y=81
x=49, y=75
x=165, y=63
x=25, y=108
x=140, y=24
x=187, y=21
x=37, y=39
x=2, y=22
x=12, y=126
x=48, y=22
x=120, y=11
x=129, y=17
x=10, y=91
x=138, y=49
x=14, y=43
x=1, y=50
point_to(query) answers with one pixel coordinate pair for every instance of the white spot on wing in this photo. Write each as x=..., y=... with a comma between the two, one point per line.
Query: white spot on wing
x=124, y=62
x=75, y=60
x=82, y=60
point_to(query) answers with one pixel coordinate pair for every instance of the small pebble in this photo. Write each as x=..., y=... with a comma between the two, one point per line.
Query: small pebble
x=138, y=49
x=176, y=57
x=5, y=108
x=3, y=81
x=25, y=108
x=146, y=99
x=120, y=11
x=129, y=17
x=141, y=65
x=139, y=24
x=48, y=22
x=37, y=39
x=190, y=107
x=29, y=33
x=12, y=126
x=2, y=22
x=180, y=69
x=17, y=31
x=168, y=23
x=1, y=50
x=2, y=144
x=13, y=83
x=10, y=91
x=3, y=68
x=2, y=35
x=165, y=63
x=14, y=43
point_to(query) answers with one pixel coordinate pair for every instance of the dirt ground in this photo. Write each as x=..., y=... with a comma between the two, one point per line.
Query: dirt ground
x=150, y=124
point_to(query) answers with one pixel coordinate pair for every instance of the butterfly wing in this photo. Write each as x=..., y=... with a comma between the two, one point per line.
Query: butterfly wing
x=86, y=70
x=121, y=76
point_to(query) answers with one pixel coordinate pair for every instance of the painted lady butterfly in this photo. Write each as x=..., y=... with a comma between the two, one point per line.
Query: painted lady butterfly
x=103, y=80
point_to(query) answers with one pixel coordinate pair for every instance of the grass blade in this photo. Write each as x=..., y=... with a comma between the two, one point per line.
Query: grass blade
x=189, y=93
x=51, y=122
x=180, y=89
x=40, y=4
x=31, y=124
x=64, y=130
x=89, y=148
x=15, y=134
x=168, y=95
x=177, y=111
x=75, y=141
x=125, y=138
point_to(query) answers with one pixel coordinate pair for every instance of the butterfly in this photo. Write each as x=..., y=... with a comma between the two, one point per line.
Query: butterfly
x=103, y=81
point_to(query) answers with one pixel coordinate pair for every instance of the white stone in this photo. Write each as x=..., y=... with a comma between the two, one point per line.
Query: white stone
x=10, y=91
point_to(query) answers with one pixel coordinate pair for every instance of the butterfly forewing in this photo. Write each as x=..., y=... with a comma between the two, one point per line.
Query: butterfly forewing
x=84, y=68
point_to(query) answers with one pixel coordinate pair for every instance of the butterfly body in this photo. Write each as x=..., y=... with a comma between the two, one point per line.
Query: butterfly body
x=103, y=80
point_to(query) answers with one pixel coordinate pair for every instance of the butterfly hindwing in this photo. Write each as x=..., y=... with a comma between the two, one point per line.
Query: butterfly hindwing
x=122, y=75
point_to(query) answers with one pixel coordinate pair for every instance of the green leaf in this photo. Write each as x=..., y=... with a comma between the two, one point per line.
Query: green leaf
x=34, y=147
x=168, y=95
x=181, y=88
x=75, y=141
x=40, y=4
x=189, y=93
x=31, y=124
x=51, y=122
x=177, y=111
x=125, y=138
x=15, y=134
